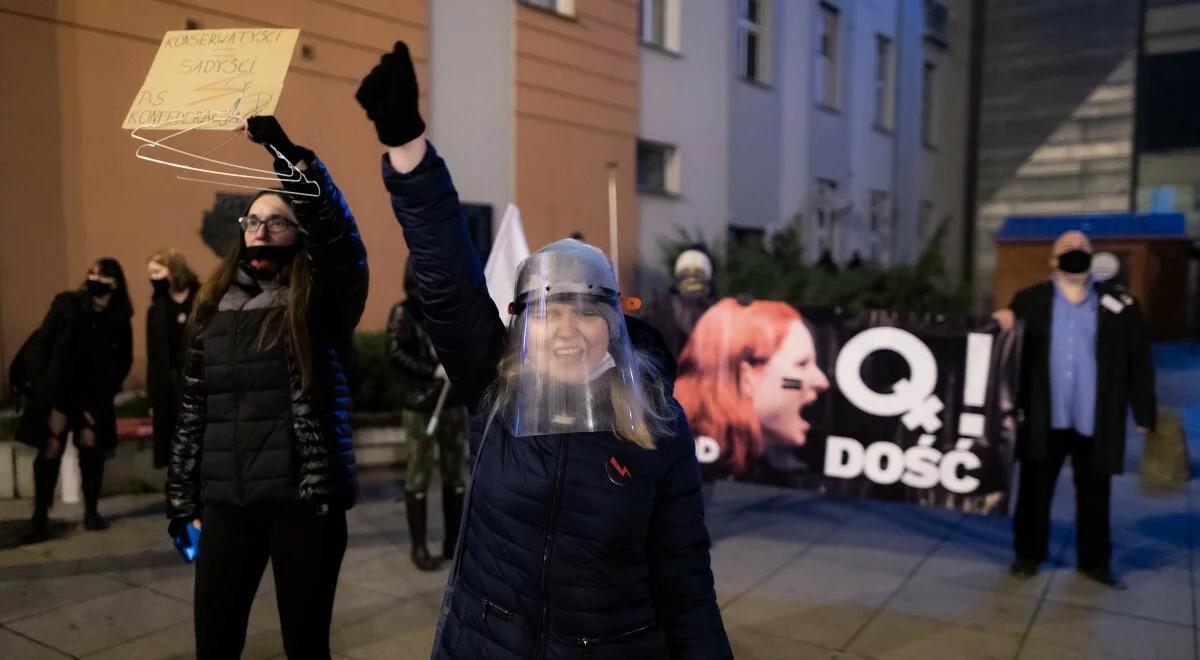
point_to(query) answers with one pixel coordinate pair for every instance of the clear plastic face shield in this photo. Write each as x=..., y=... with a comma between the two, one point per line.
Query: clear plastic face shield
x=570, y=366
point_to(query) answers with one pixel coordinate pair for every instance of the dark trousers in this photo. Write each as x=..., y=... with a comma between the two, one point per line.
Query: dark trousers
x=1031, y=522
x=306, y=552
x=45, y=476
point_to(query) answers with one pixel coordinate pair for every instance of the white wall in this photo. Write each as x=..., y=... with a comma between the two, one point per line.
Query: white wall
x=829, y=157
x=794, y=79
x=872, y=152
x=685, y=102
x=754, y=145
x=471, y=99
x=943, y=172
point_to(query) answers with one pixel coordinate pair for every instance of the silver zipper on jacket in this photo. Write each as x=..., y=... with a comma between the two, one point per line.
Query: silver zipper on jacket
x=588, y=642
x=489, y=607
x=559, y=473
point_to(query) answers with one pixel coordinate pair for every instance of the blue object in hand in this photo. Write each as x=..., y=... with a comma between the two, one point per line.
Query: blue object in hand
x=188, y=544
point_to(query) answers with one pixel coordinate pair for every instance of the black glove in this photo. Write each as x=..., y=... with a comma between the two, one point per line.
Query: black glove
x=389, y=95
x=265, y=130
x=178, y=527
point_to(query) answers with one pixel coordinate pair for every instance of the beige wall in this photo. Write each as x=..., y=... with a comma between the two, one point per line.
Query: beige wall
x=577, y=89
x=71, y=189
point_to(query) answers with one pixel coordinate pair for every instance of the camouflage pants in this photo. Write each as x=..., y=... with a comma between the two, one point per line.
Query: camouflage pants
x=449, y=437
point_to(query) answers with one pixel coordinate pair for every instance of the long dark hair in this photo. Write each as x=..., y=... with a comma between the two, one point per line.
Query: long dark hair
x=118, y=301
x=289, y=323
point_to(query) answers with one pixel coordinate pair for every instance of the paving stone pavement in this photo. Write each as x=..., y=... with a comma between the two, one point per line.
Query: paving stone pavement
x=798, y=577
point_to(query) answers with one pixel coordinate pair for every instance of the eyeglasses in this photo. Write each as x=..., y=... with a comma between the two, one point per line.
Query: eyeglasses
x=275, y=224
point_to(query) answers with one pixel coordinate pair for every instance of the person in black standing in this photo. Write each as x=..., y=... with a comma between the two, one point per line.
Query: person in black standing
x=262, y=460
x=1085, y=361
x=424, y=380
x=78, y=361
x=175, y=287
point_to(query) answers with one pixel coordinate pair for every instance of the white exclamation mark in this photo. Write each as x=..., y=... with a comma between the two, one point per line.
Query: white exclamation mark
x=979, y=363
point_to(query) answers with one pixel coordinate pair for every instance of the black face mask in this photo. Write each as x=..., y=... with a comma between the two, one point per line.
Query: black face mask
x=280, y=255
x=1074, y=262
x=98, y=289
x=162, y=287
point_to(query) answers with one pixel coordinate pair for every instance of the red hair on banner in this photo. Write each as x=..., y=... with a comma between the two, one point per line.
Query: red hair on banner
x=727, y=380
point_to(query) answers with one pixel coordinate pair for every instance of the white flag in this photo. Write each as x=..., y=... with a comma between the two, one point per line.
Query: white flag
x=508, y=251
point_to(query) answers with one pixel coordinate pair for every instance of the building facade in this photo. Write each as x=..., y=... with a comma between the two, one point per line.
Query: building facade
x=846, y=114
x=850, y=115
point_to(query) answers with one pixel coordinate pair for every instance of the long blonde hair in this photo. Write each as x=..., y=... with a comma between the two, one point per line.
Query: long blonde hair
x=179, y=274
x=654, y=418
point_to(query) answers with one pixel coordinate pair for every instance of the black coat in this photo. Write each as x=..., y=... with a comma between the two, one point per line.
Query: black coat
x=558, y=558
x=319, y=415
x=1124, y=373
x=412, y=354
x=166, y=333
x=77, y=363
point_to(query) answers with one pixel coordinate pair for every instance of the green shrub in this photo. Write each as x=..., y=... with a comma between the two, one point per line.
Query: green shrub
x=134, y=406
x=774, y=270
x=380, y=380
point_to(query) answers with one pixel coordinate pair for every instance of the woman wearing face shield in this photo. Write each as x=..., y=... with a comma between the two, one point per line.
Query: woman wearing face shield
x=583, y=532
x=77, y=362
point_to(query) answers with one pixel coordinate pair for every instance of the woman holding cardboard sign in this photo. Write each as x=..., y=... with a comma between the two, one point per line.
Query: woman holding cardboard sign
x=262, y=460
x=583, y=534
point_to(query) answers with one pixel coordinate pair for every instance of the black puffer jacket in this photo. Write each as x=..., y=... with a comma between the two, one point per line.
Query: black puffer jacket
x=574, y=545
x=316, y=419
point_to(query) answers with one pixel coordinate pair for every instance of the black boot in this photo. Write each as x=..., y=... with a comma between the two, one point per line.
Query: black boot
x=45, y=477
x=452, y=508
x=91, y=473
x=416, y=507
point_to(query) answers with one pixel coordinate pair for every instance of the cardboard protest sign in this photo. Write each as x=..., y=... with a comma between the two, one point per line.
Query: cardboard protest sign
x=217, y=76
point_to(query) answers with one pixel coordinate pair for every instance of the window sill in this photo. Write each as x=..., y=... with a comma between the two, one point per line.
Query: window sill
x=553, y=12
x=884, y=130
x=661, y=194
x=659, y=48
x=755, y=83
x=823, y=107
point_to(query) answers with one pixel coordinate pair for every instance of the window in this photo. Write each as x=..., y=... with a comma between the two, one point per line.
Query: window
x=564, y=7
x=881, y=226
x=660, y=24
x=885, y=82
x=753, y=27
x=657, y=168
x=827, y=57
x=928, y=103
x=827, y=201
x=936, y=18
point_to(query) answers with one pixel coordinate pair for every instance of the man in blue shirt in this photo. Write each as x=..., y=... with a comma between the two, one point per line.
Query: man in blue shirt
x=1085, y=361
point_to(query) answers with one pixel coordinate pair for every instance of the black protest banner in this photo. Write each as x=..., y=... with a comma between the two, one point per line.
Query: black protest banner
x=860, y=406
